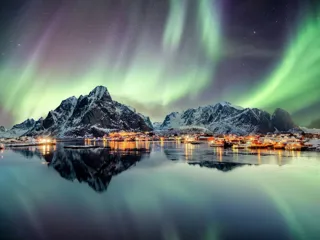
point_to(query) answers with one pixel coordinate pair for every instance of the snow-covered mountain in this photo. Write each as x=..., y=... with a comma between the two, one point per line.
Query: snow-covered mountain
x=2, y=129
x=310, y=130
x=156, y=125
x=18, y=129
x=224, y=117
x=94, y=114
x=146, y=120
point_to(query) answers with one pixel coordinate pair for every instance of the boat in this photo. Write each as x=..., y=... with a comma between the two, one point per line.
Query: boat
x=239, y=146
x=217, y=144
x=257, y=145
x=195, y=142
x=295, y=147
x=30, y=144
x=269, y=145
x=310, y=146
x=80, y=146
x=279, y=146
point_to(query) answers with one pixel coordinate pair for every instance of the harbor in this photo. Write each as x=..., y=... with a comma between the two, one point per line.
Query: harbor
x=288, y=141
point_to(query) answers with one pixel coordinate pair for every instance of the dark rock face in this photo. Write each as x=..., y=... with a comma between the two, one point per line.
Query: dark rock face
x=27, y=124
x=93, y=114
x=224, y=118
x=282, y=121
x=221, y=166
x=18, y=129
x=156, y=125
x=93, y=167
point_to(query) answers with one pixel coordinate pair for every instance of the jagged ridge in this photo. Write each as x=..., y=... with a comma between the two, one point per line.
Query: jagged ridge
x=226, y=118
x=95, y=113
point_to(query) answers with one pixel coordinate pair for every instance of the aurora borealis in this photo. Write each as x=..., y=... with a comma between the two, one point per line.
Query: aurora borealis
x=295, y=83
x=160, y=56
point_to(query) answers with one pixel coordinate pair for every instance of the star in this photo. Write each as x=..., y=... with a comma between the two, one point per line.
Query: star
x=254, y=32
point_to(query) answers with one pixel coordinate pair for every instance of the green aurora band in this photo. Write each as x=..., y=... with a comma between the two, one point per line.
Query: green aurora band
x=141, y=71
x=295, y=83
x=144, y=64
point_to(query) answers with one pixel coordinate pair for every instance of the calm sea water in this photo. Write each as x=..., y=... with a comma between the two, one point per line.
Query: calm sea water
x=170, y=191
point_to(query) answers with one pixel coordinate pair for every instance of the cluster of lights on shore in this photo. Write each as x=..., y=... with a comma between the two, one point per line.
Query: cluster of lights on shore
x=276, y=141
x=46, y=141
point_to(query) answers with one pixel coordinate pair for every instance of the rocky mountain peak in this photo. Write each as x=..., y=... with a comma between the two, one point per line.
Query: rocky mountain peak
x=95, y=113
x=282, y=120
x=224, y=118
x=101, y=93
x=26, y=124
x=71, y=101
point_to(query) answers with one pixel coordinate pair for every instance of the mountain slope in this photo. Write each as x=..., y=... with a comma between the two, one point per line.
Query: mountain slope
x=95, y=113
x=225, y=118
x=2, y=129
x=18, y=129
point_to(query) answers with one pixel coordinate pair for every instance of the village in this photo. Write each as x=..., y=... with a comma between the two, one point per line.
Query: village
x=285, y=141
x=281, y=141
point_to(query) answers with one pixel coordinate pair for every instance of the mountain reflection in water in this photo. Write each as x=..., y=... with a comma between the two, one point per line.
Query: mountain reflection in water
x=167, y=191
x=206, y=156
x=96, y=167
x=221, y=166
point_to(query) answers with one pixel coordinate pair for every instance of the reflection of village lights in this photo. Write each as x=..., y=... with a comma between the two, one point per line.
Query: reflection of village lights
x=220, y=154
x=46, y=140
x=44, y=149
x=259, y=156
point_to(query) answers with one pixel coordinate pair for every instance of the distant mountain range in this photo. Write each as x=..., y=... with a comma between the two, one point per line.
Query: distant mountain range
x=224, y=117
x=18, y=129
x=97, y=114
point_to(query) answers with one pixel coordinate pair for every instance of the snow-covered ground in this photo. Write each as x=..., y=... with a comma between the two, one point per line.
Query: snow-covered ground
x=16, y=140
x=310, y=130
x=315, y=143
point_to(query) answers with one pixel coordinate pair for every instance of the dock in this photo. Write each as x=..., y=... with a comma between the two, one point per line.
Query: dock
x=81, y=146
x=29, y=145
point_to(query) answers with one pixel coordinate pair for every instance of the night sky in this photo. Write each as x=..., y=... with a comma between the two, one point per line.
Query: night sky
x=160, y=55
